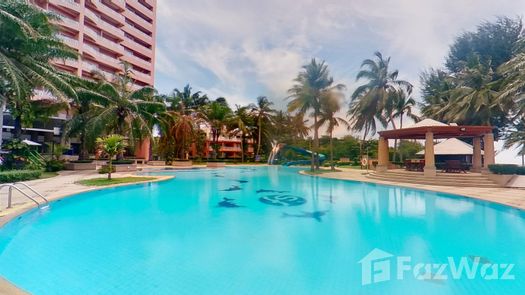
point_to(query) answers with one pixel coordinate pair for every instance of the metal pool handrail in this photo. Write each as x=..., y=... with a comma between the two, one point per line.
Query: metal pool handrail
x=14, y=185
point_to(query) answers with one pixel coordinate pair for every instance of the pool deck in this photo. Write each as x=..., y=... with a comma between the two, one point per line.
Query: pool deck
x=507, y=196
x=66, y=185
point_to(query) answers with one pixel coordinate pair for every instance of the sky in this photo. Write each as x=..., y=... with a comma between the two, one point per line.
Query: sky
x=244, y=49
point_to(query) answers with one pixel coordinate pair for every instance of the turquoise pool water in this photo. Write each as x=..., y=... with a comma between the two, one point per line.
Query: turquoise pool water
x=264, y=230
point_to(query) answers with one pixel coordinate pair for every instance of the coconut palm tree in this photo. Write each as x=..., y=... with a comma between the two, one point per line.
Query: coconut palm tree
x=306, y=95
x=129, y=112
x=241, y=124
x=474, y=99
x=27, y=45
x=399, y=104
x=436, y=93
x=186, y=99
x=370, y=99
x=331, y=104
x=516, y=138
x=512, y=94
x=111, y=145
x=217, y=115
x=262, y=113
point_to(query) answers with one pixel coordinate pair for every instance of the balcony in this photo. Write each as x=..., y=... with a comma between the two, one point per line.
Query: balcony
x=130, y=58
x=104, y=9
x=109, y=61
x=138, y=20
x=73, y=43
x=104, y=25
x=110, y=45
x=89, y=67
x=144, y=10
x=142, y=77
x=71, y=63
x=137, y=47
x=138, y=34
x=68, y=4
x=69, y=23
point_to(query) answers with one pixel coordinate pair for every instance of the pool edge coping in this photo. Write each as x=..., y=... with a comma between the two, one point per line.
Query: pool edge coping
x=423, y=187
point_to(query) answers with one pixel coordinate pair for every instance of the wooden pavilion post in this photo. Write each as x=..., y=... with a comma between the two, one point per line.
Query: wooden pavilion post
x=382, y=155
x=490, y=154
x=476, y=155
x=430, y=161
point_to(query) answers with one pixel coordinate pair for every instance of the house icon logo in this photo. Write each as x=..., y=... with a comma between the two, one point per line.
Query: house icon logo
x=375, y=267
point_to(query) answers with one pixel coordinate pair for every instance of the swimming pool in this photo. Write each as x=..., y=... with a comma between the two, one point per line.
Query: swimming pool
x=264, y=230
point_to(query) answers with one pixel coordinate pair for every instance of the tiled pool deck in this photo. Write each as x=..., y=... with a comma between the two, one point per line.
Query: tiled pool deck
x=66, y=185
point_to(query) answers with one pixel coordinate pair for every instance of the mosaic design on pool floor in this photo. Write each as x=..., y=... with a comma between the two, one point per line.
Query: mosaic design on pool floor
x=228, y=203
x=282, y=200
x=232, y=188
x=270, y=191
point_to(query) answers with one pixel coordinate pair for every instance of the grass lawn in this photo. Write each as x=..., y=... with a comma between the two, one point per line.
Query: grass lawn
x=105, y=181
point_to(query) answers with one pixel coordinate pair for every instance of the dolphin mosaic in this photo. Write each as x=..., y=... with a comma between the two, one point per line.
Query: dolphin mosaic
x=228, y=203
x=317, y=215
x=232, y=188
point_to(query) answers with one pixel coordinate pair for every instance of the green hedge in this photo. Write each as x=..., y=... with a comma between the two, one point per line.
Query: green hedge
x=19, y=175
x=54, y=166
x=507, y=169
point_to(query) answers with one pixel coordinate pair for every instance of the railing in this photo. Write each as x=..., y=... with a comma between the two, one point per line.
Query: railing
x=69, y=41
x=15, y=186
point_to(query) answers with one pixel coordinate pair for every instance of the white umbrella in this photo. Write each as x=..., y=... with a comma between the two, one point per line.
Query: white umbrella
x=29, y=142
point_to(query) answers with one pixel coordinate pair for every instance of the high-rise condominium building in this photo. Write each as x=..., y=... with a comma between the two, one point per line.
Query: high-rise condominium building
x=106, y=33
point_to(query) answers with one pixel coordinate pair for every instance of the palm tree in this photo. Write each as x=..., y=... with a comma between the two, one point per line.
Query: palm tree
x=111, y=145
x=129, y=112
x=241, y=125
x=83, y=109
x=399, y=104
x=27, y=45
x=474, y=99
x=370, y=100
x=512, y=94
x=187, y=99
x=306, y=95
x=217, y=114
x=262, y=112
x=516, y=137
x=436, y=93
x=331, y=104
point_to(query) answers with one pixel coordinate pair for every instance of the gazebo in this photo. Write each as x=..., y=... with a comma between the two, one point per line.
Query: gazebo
x=429, y=130
x=453, y=149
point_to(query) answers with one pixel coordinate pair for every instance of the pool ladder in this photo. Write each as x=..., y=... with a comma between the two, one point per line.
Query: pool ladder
x=16, y=186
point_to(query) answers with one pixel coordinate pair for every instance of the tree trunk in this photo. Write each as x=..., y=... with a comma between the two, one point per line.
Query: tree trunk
x=394, y=158
x=242, y=148
x=259, y=140
x=332, y=166
x=316, y=144
x=83, y=153
x=110, y=166
x=17, y=131
x=3, y=105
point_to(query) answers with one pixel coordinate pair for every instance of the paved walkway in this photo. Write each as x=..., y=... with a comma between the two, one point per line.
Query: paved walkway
x=507, y=196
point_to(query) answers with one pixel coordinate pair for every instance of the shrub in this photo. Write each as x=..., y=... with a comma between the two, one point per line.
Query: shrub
x=105, y=170
x=19, y=175
x=54, y=165
x=507, y=169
